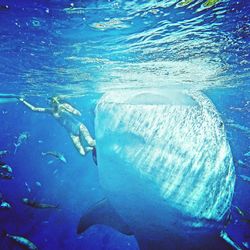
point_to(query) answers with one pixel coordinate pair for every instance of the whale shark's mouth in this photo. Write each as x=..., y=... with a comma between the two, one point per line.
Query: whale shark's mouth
x=167, y=98
x=151, y=97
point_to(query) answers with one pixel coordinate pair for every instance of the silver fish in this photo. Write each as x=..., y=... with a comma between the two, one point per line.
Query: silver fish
x=244, y=129
x=245, y=244
x=240, y=211
x=36, y=204
x=242, y=164
x=247, y=154
x=3, y=153
x=5, y=168
x=22, y=241
x=56, y=155
x=38, y=183
x=5, y=171
x=5, y=205
x=27, y=186
x=245, y=178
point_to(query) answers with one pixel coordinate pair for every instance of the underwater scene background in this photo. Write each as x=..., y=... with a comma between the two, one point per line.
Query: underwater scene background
x=83, y=49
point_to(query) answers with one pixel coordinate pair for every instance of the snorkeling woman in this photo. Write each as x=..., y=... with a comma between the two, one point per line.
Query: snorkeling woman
x=66, y=115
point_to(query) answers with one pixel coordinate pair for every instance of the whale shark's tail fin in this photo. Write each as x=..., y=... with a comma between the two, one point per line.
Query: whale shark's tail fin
x=102, y=213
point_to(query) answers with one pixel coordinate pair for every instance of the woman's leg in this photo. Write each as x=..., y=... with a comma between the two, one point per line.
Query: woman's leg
x=86, y=135
x=77, y=142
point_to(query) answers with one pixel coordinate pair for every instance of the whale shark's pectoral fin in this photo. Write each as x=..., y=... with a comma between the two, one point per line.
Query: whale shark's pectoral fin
x=103, y=213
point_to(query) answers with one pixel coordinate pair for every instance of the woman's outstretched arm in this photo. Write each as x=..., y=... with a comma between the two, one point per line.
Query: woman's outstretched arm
x=33, y=108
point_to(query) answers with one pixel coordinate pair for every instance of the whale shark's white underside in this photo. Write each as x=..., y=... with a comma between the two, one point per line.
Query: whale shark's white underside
x=165, y=165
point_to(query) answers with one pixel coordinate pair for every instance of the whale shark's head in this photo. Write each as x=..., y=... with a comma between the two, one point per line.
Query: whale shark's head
x=165, y=163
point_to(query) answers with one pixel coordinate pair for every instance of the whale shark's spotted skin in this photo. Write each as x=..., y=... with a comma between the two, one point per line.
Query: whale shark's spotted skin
x=165, y=164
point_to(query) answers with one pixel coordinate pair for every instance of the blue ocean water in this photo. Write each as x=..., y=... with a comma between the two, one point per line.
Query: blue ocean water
x=82, y=49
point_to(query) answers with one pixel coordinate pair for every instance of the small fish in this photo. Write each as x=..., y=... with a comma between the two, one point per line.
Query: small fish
x=20, y=140
x=242, y=164
x=36, y=204
x=5, y=205
x=240, y=212
x=5, y=171
x=5, y=167
x=38, y=184
x=233, y=124
x=245, y=244
x=55, y=171
x=228, y=219
x=247, y=154
x=3, y=153
x=21, y=241
x=225, y=237
x=245, y=178
x=27, y=186
x=56, y=155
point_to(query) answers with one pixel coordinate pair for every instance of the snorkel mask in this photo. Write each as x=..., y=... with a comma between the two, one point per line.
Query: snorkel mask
x=54, y=100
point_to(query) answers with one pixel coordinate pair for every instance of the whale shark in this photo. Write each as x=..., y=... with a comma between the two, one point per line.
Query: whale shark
x=166, y=168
